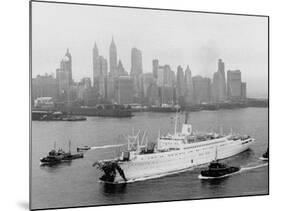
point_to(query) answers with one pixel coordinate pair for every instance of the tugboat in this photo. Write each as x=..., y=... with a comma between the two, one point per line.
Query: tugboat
x=55, y=116
x=55, y=157
x=265, y=156
x=218, y=170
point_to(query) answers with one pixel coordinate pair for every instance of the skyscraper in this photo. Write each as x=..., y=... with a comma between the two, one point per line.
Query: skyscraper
x=136, y=62
x=95, y=62
x=66, y=65
x=202, y=89
x=215, y=87
x=236, y=89
x=222, y=81
x=188, y=83
x=165, y=76
x=147, y=81
x=69, y=65
x=121, y=70
x=110, y=88
x=180, y=85
x=113, y=59
x=244, y=90
x=155, y=64
x=166, y=82
x=64, y=76
x=234, y=84
x=219, y=84
x=101, y=66
x=136, y=70
x=102, y=73
x=124, y=93
x=153, y=94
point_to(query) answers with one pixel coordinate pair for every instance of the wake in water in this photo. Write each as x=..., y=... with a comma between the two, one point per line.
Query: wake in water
x=105, y=146
x=253, y=167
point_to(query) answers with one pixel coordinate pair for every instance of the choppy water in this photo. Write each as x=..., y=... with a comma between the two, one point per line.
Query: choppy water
x=76, y=183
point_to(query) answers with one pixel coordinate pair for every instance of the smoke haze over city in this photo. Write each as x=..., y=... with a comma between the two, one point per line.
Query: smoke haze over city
x=174, y=38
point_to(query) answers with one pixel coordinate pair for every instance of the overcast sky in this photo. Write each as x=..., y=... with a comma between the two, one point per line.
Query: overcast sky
x=175, y=38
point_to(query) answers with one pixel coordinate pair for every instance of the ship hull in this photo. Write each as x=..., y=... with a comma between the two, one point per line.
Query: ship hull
x=167, y=163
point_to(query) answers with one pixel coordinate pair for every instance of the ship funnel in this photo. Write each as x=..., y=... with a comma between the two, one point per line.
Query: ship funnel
x=186, y=129
x=186, y=118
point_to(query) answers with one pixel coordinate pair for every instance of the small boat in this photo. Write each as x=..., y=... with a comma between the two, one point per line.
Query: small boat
x=55, y=157
x=218, y=170
x=265, y=156
x=74, y=118
x=84, y=148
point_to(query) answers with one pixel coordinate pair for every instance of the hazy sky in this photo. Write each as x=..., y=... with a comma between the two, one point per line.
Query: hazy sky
x=175, y=38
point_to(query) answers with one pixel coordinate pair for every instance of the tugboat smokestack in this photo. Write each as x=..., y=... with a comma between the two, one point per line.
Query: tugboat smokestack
x=186, y=117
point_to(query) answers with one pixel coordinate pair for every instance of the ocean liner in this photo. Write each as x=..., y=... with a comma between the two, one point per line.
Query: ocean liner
x=173, y=153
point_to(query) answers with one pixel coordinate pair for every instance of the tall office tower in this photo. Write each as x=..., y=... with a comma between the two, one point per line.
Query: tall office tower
x=136, y=62
x=234, y=84
x=161, y=76
x=147, y=80
x=124, y=93
x=95, y=63
x=215, y=87
x=64, y=77
x=165, y=82
x=188, y=92
x=171, y=76
x=136, y=70
x=83, y=86
x=121, y=70
x=66, y=65
x=102, y=74
x=244, y=90
x=110, y=88
x=165, y=76
x=155, y=65
x=153, y=94
x=63, y=83
x=180, y=84
x=113, y=59
x=202, y=89
x=102, y=66
x=222, y=81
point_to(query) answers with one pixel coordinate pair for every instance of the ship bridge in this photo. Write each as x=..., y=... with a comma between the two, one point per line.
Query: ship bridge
x=176, y=140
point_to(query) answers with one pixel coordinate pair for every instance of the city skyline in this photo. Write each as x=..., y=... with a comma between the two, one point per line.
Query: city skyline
x=249, y=55
x=162, y=86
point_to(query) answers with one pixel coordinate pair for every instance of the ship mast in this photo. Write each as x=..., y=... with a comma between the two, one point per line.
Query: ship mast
x=216, y=154
x=69, y=146
x=176, y=122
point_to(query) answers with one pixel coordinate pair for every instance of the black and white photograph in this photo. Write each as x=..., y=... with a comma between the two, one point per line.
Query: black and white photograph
x=135, y=105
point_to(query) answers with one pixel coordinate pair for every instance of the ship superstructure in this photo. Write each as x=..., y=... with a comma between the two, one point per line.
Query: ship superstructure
x=171, y=154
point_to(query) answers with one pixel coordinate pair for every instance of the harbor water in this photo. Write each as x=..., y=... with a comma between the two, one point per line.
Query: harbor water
x=76, y=183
